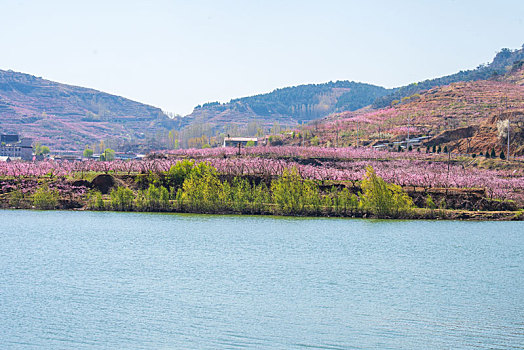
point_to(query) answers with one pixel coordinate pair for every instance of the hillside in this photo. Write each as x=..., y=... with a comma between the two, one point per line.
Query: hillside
x=500, y=65
x=468, y=117
x=291, y=105
x=297, y=105
x=70, y=117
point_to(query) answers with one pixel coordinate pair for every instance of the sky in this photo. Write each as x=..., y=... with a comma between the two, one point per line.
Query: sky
x=178, y=54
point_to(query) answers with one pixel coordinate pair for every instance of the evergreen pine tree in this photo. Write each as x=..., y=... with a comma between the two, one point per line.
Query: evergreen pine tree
x=502, y=155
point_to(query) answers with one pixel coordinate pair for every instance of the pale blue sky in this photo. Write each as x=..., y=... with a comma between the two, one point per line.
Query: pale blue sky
x=177, y=54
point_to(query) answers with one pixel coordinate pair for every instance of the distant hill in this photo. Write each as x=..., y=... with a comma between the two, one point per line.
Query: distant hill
x=307, y=103
x=467, y=117
x=500, y=65
x=290, y=105
x=71, y=117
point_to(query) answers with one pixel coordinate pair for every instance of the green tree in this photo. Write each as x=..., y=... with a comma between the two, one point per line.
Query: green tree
x=95, y=201
x=40, y=150
x=153, y=199
x=201, y=190
x=381, y=198
x=45, y=198
x=430, y=203
x=177, y=173
x=107, y=155
x=88, y=153
x=171, y=139
x=122, y=199
x=292, y=194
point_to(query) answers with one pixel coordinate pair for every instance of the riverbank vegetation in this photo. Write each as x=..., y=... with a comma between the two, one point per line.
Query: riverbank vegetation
x=274, y=180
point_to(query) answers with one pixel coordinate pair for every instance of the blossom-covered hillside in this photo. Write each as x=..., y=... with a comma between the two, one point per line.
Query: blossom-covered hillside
x=70, y=117
x=468, y=117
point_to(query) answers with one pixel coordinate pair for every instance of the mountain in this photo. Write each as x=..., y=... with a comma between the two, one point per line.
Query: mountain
x=290, y=105
x=500, y=65
x=71, y=117
x=467, y=117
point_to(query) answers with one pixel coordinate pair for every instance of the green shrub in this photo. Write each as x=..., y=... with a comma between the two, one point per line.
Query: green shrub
x=177, y=173
x=202, y=189
x=95, y=201
x=347, y=202
x=240, y=194
x=430, y=204
x=122, y=199
x=261, y=197
x=153, y=199
x=16, y=199
x=45, y=198
x=381, y=198
x=291, y=194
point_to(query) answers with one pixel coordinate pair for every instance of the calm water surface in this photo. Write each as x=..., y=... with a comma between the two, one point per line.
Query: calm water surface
x=84, y=280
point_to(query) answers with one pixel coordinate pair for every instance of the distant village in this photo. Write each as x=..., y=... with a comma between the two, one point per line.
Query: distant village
x=16, y=148
x=13, y=147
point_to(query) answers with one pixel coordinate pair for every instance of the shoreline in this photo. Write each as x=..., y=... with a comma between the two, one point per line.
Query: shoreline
x=416, y=214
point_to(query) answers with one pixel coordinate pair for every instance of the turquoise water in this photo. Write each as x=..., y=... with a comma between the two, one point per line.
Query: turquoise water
x=88, y=280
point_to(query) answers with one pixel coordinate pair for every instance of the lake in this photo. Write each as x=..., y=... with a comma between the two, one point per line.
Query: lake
x=104, y=280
